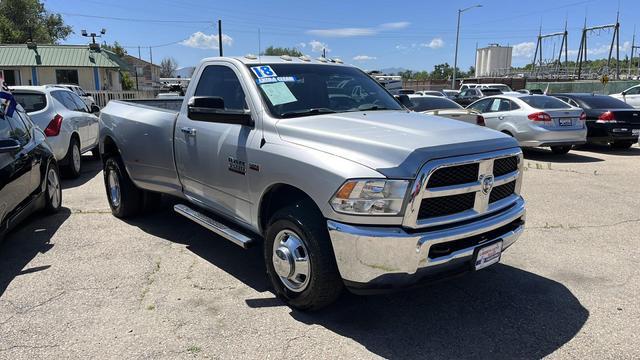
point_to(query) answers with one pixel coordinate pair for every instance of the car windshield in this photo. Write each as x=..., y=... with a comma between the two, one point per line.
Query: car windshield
x=604, y=102
x=292, y=90
x=544, y=102
x=31, y=101
x=432, y=103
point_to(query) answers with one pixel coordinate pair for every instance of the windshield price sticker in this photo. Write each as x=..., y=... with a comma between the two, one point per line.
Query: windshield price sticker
x=263, y=71
x=278, y=93
x=267, y=80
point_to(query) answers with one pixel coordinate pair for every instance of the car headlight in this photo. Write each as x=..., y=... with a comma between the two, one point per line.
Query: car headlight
x=370, y=197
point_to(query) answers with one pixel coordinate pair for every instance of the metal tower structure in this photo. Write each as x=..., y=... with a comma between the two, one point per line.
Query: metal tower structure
x=615, y=41
x=563, y=48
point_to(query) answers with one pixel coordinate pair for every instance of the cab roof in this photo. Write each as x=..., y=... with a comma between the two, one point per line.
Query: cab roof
x=254, y=59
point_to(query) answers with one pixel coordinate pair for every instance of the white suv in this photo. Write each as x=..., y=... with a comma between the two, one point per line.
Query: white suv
x=88, y=99
x=70, y=125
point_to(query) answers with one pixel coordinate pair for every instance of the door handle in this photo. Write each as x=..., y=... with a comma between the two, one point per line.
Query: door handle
x=189, y=131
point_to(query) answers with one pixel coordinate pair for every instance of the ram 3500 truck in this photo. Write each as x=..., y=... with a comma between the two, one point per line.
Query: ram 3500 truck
x=317, y=162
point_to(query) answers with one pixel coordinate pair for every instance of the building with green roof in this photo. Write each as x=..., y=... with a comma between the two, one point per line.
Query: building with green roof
x=92, y=69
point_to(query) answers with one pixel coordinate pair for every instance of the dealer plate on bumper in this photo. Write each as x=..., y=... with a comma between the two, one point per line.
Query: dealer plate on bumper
x=488, y=255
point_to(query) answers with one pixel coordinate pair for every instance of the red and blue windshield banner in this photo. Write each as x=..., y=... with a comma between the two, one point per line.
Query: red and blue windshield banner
x=7, y=100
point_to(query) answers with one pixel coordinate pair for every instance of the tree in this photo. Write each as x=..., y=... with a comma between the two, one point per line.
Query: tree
x=278, y=51
x=116, y=48
x=126, y=81
x=24, y=20
x=168, y=67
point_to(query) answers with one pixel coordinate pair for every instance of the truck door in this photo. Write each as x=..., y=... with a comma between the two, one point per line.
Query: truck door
x=211, y=156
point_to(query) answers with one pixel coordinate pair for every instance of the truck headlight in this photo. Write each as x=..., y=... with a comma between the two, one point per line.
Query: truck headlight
x=370, y=197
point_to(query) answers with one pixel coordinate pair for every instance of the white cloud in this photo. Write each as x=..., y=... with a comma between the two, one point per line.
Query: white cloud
x=201, y=40
x=603, y=50
x=364, y=58
x=342, y=32
x=435, y=43
x=317, y=46
x=302, y=45
x=400, y=47
x=524, y=49
x=359, y=31
x=394, y=25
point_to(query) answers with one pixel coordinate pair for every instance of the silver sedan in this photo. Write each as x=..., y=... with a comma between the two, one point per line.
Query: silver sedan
x=535, y=120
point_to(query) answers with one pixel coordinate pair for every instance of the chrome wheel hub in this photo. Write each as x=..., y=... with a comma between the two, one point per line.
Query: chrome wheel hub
x=114, y=188
x=53, y=188
x=291, y=261
x=76, y=158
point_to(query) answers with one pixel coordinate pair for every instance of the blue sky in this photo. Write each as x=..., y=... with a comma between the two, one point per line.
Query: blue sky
x=373, y=34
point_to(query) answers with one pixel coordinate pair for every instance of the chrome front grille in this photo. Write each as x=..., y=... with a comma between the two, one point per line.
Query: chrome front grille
x=461, y=188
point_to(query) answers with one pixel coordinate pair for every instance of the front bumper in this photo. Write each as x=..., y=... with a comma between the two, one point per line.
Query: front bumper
x=386, y=258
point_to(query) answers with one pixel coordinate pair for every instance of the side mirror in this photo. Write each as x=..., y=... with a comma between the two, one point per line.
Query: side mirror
x=9, y=145
x=404, y=100
x=623, y=93
x=211, y=108
x=94, y=109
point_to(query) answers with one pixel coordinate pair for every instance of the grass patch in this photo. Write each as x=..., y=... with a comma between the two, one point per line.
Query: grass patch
x=194, y=349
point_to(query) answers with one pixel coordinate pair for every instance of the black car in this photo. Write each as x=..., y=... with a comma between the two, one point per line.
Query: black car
x=609, y=121
x=467, y=96
x=29, y=177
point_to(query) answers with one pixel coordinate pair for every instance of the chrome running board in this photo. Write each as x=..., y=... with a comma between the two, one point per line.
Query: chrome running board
x=214, y=226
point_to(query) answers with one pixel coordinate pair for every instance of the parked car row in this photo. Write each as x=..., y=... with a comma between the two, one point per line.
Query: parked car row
x=558, y=121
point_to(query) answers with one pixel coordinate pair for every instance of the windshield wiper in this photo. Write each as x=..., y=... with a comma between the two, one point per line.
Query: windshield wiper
x=314, y=111
x=366, y=107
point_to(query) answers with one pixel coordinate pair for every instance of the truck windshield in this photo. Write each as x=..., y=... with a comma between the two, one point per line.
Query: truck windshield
x=293, y=90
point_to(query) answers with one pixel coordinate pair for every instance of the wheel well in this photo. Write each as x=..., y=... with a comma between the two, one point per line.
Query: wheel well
x=74, y=135
x=507, y=132
x=109, y=148
x=277, y=197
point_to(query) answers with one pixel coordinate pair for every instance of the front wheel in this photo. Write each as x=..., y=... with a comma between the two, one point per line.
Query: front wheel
x=561, y=150
x=300, y=260
x=125, y=199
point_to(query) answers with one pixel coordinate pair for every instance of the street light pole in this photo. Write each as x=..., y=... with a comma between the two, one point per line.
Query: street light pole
x=455, y=59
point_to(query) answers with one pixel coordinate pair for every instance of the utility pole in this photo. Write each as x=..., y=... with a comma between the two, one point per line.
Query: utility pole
x=633, y=44
x=220, y=36
x=324, y=52
x=135, y=68
x=150, y=56
x=455, y=59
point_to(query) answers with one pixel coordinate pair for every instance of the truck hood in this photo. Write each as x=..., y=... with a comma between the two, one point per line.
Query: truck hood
x=394, y=143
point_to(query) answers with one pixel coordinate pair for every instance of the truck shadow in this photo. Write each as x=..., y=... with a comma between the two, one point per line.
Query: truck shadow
x=499, y=313
x=25, y=242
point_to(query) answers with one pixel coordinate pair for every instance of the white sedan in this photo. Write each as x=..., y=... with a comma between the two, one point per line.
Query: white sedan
x=631, y=96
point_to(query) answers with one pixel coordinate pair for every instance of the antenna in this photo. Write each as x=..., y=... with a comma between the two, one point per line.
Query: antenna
x=259, y=48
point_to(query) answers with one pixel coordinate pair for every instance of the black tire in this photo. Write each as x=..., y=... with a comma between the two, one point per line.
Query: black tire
x=621, y=145
x=325, y=284
x=128, y=200
x=72, y=169
x=561, y=150
x=53, y=189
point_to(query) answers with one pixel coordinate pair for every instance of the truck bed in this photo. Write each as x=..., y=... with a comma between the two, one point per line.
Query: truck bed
x=143, y=130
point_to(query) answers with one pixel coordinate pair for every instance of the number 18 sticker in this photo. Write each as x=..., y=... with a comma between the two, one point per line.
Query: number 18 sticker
x=263, y=71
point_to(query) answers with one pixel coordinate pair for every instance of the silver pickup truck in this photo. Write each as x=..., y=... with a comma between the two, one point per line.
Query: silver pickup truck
x=317, y=162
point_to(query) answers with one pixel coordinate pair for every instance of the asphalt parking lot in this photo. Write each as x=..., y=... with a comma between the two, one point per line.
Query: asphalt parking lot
x=83, y=284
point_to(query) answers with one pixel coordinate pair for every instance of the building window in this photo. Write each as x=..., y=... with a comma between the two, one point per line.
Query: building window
x=67, y=76
x=9, y=77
